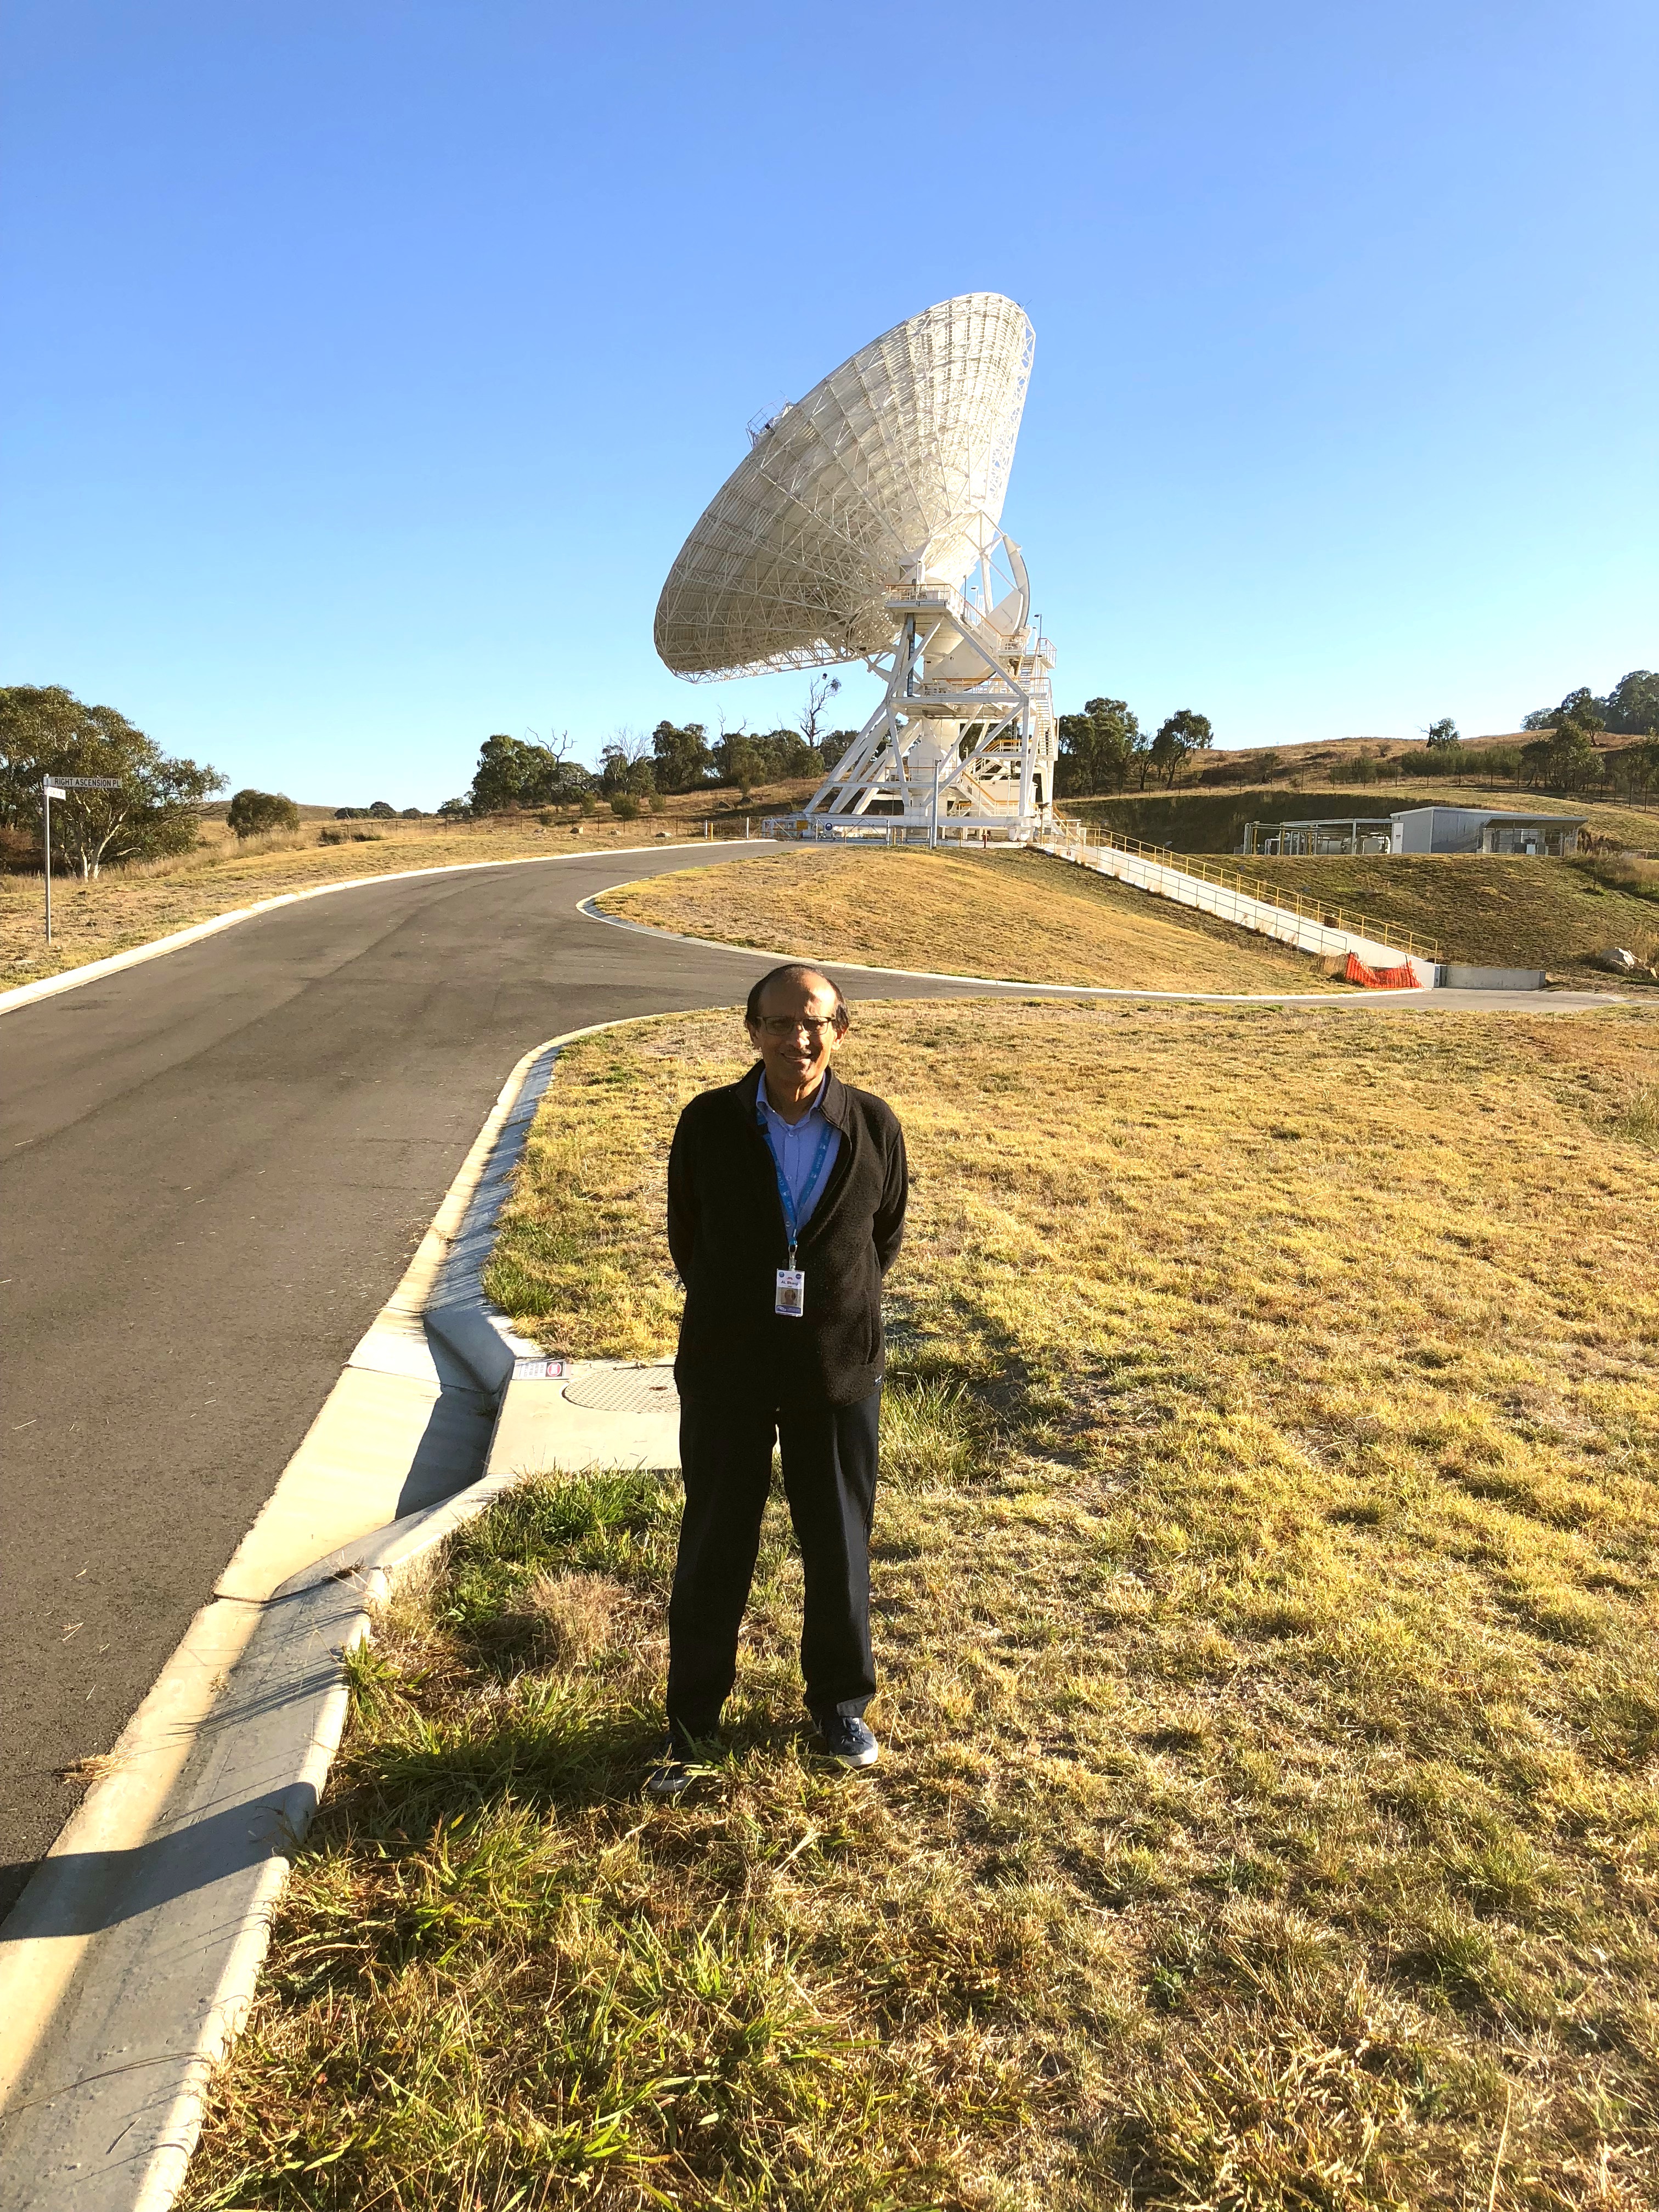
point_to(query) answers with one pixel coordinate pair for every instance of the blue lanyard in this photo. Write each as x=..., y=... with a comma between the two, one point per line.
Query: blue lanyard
x=790, y=1222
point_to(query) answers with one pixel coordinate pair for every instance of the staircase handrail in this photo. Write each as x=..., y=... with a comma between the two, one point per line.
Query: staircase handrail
x=1188, y=863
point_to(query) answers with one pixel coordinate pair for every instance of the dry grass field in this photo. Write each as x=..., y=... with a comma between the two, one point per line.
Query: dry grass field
x=1264, y=1579
x=132, y=906
x=1012, y=914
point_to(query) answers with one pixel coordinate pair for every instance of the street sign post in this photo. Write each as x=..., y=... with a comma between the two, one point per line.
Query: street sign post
x=59, y=786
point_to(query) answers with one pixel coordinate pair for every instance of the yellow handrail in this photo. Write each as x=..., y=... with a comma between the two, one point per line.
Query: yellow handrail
x=1188, y=863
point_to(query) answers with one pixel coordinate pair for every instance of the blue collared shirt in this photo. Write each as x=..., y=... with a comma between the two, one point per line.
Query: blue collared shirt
x=795, y=1146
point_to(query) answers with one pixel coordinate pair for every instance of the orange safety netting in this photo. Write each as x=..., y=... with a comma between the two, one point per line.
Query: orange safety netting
x=1402, y=978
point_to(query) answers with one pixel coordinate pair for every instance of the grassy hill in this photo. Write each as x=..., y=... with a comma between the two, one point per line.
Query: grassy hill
x=1013, y=914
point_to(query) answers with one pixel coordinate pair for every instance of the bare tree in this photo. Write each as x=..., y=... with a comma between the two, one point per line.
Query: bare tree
x=558, y=746
x=819, y=692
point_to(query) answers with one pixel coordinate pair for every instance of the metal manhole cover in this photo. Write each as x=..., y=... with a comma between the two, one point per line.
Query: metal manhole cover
x=625, y=1390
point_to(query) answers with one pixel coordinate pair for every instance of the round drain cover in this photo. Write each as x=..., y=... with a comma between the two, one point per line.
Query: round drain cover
x=625, y=1390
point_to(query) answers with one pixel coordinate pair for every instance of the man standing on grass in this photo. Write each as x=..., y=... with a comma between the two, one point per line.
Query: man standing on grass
x=785, y=1204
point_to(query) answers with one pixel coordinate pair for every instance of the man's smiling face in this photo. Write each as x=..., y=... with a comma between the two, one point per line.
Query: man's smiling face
x=796, y=1036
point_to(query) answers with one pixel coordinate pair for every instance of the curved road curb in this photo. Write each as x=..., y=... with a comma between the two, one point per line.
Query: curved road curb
x=1440, y=1000
x=129, y=1963
x=590, y=907
x=46, y=986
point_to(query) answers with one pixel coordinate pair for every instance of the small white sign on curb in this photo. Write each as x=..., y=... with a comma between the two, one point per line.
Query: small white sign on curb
x=539, y=1370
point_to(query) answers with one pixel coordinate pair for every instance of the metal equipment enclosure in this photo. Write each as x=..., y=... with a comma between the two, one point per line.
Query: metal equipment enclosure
x=1420, y=830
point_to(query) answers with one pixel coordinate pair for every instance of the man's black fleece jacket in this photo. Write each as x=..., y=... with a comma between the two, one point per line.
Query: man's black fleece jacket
x=726, y=1230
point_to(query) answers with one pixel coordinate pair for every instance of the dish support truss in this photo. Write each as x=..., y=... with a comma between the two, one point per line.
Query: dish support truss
x=963, y=746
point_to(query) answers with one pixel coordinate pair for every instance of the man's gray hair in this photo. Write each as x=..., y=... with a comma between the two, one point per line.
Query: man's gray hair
x=794, y=971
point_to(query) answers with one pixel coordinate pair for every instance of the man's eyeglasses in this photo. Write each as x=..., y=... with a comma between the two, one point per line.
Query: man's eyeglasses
x=784, y=1025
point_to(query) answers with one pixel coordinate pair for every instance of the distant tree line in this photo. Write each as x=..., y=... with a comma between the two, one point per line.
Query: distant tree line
x=1565, y=756
x=1102, y=748
x=522, y=774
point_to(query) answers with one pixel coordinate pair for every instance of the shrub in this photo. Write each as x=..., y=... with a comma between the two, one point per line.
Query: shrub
x=1499, y=763
x=411, y=814
x=382, y=807
x=590, y=805
x=254, y=812
x=625, y=806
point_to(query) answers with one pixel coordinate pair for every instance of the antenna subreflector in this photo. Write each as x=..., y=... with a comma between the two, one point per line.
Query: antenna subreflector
x=865, y=524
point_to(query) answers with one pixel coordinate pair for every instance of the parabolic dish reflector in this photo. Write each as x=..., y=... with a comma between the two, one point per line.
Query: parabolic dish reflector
x=890, y=459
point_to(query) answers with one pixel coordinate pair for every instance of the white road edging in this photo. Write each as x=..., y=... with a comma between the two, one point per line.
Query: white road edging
x=129, y=1963
x=1439, y=997
x=999, y=983
x=47, y=987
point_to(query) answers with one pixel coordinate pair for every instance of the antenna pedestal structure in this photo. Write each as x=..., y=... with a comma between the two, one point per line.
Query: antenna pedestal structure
x=963, y=746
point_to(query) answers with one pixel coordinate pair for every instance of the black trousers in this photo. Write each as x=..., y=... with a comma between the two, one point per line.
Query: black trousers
x=829, y=1456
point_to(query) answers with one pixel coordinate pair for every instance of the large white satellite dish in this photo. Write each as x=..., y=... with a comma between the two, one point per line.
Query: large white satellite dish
x=865, y=525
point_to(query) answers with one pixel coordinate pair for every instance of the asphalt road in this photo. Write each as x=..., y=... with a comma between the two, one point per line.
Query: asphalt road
x=214, y=1168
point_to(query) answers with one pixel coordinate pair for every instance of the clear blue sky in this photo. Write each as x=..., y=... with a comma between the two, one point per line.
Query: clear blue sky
x=368, y=363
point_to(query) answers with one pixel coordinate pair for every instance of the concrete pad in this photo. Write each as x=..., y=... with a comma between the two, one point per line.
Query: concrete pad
x=631, y=1420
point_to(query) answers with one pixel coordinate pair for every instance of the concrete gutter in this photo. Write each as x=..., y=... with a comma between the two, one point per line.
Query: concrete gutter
x=129, y=1963
x=47, y=987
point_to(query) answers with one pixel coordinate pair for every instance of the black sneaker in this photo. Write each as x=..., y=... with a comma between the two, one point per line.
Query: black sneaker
x=850, y=1742
x=677, y=1767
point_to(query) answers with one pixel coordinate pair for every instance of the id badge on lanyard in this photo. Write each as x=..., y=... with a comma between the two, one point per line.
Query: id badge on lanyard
x=789, y=1296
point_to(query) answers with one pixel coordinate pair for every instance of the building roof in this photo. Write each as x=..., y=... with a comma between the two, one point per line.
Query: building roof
x=1484, y=814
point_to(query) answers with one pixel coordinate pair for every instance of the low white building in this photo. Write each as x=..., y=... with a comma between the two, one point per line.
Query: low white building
x=1420, y=830
x=1485, y=829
